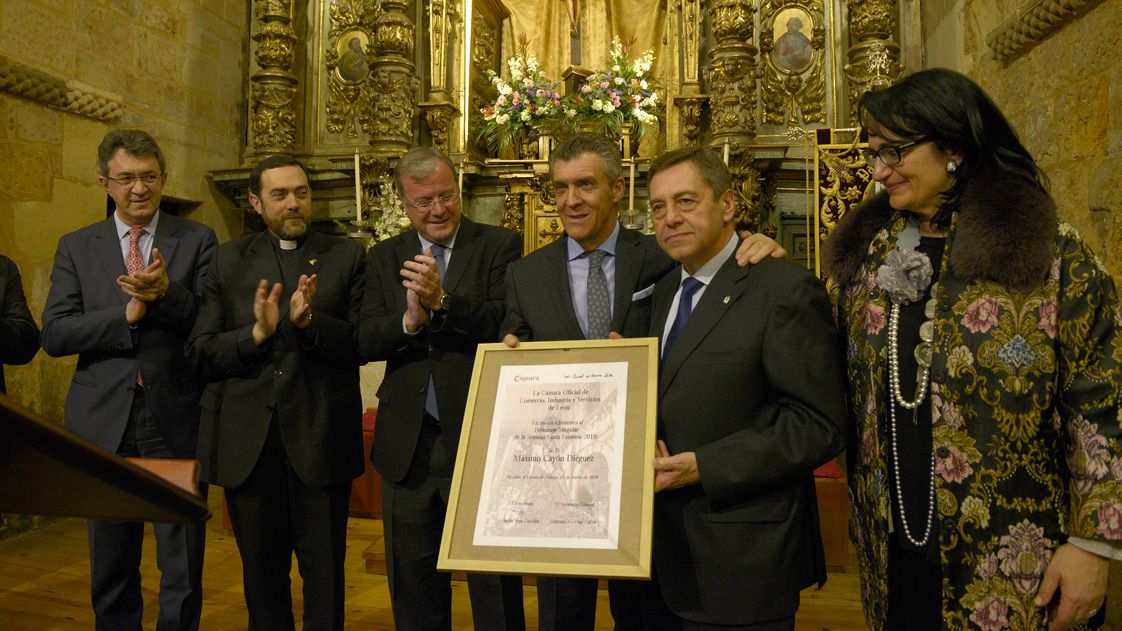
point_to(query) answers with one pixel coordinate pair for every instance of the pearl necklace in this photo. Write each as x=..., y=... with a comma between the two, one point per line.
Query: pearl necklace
x=923, y=358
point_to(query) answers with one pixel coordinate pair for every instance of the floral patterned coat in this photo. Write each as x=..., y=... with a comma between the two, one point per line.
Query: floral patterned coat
x=1025, y=390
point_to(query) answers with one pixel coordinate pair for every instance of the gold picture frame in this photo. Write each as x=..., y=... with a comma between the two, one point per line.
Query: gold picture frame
x=501, y=487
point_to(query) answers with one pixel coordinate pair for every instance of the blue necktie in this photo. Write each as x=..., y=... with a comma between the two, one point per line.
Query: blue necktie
x=430, y=396
x=599, y=311
x=685, y=306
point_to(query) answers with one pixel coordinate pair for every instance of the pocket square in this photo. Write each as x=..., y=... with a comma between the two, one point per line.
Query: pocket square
x=642, y=293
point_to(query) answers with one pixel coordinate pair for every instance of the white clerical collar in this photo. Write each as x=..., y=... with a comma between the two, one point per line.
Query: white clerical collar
x=288, y=244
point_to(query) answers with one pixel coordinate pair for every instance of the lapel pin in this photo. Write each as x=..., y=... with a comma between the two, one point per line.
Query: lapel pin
x=313, y=262
x=727, y=299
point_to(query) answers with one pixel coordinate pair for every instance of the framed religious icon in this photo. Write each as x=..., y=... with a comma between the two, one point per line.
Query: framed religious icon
x=553, y=474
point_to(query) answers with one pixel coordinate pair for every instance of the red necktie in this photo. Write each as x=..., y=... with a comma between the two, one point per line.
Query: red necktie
x=134, y=264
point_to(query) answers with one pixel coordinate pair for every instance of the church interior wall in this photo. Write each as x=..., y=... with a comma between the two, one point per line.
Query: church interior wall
x=175, y=67
x=1064, y=97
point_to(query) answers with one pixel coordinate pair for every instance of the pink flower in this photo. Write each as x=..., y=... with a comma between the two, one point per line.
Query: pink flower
x=1088, y=457
x=604, y=85
x=954, y=467
x=1048, y=312
x=516, y=99
x=981, y=315
x=871, y=319
x=1024, y=554
x=1110, y=520
x=991, y=614
x=988, y=567
x=944, y=412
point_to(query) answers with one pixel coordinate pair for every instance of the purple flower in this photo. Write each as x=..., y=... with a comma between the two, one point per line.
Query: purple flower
x=991, y=614
x=1023, y=555
x=1110, y=520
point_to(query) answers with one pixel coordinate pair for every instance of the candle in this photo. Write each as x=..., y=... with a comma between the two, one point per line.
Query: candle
x=726, y=152
x=358, y=190
x=631, y=191
x=460, y=180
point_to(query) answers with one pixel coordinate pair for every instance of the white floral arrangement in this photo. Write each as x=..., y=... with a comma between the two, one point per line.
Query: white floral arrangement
x=619, y=94
x=389, y=214
x=523, y=105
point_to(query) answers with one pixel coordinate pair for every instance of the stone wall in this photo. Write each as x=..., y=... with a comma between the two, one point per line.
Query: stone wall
x=175, y=67
x=1064, y=96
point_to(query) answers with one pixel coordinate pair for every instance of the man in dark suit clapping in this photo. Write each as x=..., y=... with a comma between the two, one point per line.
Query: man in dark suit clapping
x=124, y=294
x=432, y=294
x=282, y=415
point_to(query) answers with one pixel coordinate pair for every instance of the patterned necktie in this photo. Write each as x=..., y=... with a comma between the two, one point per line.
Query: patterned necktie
x=430, y=396
x=599, y=309
x=685, y=306
x=134, y=264
x=134, y=261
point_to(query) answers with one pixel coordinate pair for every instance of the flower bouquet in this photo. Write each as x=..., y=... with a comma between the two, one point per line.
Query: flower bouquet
x=620, y=95
x=525, y=104
x=387, y=212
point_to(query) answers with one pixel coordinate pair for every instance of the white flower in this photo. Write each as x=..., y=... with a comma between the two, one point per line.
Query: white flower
x=609, y=108
x=570, y=112
x=619, y=80
x=643, y=84
x=597, y=105
x=502, y=119
x=525, y=116
x=500, y=101
x=505, y=89
x=615, y=68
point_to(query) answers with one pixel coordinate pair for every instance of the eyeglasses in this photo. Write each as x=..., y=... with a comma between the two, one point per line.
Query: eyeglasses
x=426, y=203
x=889, y=155
x=128, y=180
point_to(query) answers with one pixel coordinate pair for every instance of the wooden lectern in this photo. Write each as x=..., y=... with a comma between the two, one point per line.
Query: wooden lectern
x=46, y=470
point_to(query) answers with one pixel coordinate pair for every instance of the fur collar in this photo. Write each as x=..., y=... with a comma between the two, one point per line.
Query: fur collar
x=1004, y=233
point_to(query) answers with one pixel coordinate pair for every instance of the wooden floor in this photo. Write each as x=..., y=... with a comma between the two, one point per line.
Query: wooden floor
x=44, y=585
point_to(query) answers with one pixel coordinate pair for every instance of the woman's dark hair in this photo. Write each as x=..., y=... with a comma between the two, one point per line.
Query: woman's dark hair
x=950, y=110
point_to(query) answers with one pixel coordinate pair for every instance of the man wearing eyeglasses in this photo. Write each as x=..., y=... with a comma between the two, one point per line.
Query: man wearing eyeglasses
x=124, y=295
x=432, y=294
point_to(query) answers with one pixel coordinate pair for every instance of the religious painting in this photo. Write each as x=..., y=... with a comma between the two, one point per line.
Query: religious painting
x=353, y=66
x=792, y=30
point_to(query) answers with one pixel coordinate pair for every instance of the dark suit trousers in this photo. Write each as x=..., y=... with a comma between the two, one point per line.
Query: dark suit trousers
x=275, y=514
x=413, y=519
x=115, y=550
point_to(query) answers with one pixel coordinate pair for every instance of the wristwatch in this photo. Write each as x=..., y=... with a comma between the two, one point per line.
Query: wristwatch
x=445, y=302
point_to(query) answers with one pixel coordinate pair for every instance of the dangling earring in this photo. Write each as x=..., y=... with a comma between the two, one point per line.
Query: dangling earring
x=952, y=166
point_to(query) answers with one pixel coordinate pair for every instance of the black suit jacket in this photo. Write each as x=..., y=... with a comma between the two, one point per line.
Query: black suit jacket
x=539, y=299
x=753, y=386
x=308, y=378
x=19, y=335
x=445, y=347
x=85, y=315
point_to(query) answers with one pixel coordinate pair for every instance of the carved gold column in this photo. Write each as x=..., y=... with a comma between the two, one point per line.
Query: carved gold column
x=690, y=101
x=393, y=84
x=444, y=17
x=731, y=76
x=273, y=105
x=873, y=57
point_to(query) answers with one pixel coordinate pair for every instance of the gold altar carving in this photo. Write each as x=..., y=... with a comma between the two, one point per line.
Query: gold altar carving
x=347, y=64
x=873, y=58
x=393, y=84
x=793, y=43
x=274, y=90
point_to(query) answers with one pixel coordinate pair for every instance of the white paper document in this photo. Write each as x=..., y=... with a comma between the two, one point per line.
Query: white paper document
x=555, y=459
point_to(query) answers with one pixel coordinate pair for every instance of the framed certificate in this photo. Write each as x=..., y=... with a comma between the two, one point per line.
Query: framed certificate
x=553, y=474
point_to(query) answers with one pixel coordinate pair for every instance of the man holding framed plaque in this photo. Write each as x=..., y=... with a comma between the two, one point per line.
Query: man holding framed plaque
x=751, y=399
x=595, y=280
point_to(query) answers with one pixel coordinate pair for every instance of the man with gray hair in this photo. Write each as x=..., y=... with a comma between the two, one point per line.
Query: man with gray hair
x=124, y=295
x=432, y=294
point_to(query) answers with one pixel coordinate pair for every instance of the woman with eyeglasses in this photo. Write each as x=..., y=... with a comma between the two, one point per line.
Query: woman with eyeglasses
x=984, y=355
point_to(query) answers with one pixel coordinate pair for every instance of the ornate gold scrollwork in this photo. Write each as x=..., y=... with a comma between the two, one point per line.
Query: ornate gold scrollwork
x=514, y=208
x=392, y=83
x=542, y=184
x=394, y=33
x=274, y=85
x=485, y=50
x=438, y=117
x=843, y=179
x=689, y=109
x=347, y=64
x=873, y=60
x=792, y=76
